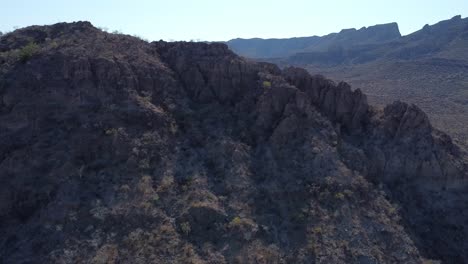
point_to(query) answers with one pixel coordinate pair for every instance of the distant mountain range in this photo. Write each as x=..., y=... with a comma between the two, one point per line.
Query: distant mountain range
x=428, y=67
x=345, y=39
x=353, y=46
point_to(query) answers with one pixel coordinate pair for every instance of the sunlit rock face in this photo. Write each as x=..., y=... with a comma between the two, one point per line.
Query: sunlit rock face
x=115, y=150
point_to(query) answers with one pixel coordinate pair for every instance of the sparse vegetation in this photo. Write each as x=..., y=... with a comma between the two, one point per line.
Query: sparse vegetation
x=236, y=221
x=28, y=51
x=302, y=215
x=124, y=155
x=318, y=230
x=52, y=44
x=185, y=227
x=125, y=188
x=266, y=84
x=155, y=198
x=311, y=245
x=186, y=183
x=241, y=223
x=140, y=37
x=339, y=196
x=244, y=228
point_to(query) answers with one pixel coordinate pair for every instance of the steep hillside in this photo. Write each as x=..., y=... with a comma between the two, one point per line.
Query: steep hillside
x=115, y=150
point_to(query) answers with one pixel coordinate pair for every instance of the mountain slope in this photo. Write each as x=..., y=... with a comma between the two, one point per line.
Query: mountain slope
x=335, y=42
x=114, y=150
x=427, y=67
x=444, y=40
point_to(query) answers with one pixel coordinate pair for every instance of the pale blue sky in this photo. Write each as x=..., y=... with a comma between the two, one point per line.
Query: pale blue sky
x=222, y=20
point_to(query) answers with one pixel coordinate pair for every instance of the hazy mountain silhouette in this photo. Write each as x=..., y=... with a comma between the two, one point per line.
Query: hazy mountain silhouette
x=335, y=42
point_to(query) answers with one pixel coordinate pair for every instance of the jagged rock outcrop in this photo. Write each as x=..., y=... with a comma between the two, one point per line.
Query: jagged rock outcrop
x=208, y=72
x=117, y=150
x=417, y=152
x=427, y=67
x=341, y=104
x=402, y=133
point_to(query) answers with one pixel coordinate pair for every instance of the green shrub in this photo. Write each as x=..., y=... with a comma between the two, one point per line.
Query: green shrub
x=339, y=196
x=236, y=221
x=244, y=225
x=155, y=198
x=266, y=84
x=185, y=227
x=317, y=230
x=28, y=51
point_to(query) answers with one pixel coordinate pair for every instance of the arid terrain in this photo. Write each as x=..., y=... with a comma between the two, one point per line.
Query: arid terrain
x=428, y=67
x=117, y=150
x=438, y=86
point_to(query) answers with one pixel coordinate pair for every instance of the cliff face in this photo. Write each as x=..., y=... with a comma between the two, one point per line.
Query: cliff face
x=117, y=150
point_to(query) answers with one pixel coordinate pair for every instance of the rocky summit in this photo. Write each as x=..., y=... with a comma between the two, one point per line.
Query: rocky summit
x=116, y=150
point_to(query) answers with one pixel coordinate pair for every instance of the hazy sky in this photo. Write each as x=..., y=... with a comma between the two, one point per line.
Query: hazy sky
x=223, y=20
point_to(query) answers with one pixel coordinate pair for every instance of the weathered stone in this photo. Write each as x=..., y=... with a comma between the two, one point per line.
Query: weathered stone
x=115, y=149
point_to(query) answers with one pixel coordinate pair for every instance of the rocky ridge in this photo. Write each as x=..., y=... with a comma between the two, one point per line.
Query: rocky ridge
x=427, y=68
x=117, y=150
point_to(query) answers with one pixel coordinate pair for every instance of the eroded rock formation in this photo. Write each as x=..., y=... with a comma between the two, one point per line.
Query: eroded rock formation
x=117, y=150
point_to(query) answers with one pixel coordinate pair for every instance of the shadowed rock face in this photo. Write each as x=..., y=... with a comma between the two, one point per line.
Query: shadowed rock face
x=341, y=104
x=114, y=150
